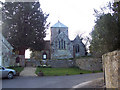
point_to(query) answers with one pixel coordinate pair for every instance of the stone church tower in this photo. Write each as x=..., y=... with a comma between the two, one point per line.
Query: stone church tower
x=61, y=46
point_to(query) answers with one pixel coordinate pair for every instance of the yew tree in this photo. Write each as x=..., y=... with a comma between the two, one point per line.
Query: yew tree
x=24, y=25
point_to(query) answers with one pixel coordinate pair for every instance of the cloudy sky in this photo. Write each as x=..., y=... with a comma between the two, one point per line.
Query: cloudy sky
x=76, y=14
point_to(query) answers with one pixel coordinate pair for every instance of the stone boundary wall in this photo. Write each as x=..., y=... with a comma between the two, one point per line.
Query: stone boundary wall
x=111, y=65
x=54, y=63
x=61, y=63
x=88, y=63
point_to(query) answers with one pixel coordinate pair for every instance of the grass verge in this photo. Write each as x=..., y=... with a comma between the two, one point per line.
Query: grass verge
x=62, y=71
x=17, y=69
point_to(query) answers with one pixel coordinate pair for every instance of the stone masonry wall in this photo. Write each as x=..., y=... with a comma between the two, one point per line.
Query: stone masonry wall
x=54, y=32
x=61, y=53
x=6, y=53
x=61, y=63
x=92, y=64
x=55, y=63
x=111, y=65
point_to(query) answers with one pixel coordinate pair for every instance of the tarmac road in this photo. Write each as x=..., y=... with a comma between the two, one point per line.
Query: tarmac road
x=49, y=81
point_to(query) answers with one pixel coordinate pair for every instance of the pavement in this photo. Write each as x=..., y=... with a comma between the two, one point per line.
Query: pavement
x=70, y=81
x=28, y=71
x=97, y=83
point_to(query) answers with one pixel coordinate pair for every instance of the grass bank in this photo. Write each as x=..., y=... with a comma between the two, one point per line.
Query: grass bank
x=17, y=69
x=62, y=71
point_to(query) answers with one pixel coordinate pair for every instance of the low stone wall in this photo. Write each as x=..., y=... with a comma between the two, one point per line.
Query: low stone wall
x=53, y=63
x=111, y=65
x=61, y=63
x=88, y=63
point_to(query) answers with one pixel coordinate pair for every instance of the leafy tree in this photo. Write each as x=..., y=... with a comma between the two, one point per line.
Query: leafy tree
x=116, y=9
x=106, y=32
x=24, y=25
x=35, y=55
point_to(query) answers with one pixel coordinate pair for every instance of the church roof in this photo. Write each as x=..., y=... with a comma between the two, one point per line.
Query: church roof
x=77, y=38
x=59, y=24
x=62, y=35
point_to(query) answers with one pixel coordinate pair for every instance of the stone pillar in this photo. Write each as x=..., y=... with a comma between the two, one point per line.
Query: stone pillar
x=1, y=48
x=22, y=60
x=111, y=65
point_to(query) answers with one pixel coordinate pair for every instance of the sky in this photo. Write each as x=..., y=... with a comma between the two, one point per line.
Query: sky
x=77, y=15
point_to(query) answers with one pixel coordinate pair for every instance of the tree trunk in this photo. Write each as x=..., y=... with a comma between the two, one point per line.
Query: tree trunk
x=21, y=51
x=22, y=56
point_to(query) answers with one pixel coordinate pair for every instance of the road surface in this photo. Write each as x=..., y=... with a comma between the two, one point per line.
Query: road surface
x=49, y=81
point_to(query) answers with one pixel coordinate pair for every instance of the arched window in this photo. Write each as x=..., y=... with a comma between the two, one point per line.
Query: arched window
x=56, y=44
x=59, y=44
x=62, y=44
x=77, y=49
x=59, y=31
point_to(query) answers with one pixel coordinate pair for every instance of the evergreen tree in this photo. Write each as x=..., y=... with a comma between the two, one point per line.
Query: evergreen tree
x=24, y=25
x=106, y=32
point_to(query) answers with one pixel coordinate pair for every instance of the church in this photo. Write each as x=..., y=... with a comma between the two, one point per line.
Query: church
x=60, y=46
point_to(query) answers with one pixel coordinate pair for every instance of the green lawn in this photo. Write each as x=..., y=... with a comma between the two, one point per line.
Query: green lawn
x=17, y=69
x=62, y=71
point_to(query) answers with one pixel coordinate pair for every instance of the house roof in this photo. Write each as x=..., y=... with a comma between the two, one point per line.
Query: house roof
x=59, y=24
